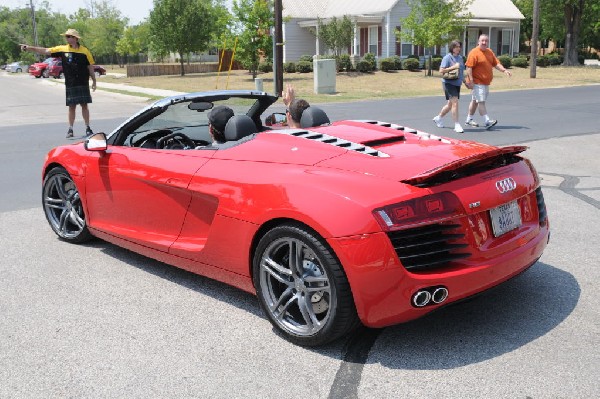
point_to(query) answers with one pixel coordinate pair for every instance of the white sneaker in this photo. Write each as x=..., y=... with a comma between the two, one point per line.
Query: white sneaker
x=471, y=122
x=438, y=121
x=458, y=128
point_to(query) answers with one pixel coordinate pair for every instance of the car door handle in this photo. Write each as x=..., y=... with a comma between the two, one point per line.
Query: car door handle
x=174, y=182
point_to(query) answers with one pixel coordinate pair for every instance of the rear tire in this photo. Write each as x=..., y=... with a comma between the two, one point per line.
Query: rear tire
x=63, y=208
x=301, y=286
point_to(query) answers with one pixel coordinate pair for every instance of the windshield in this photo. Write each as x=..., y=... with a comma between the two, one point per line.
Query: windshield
x=181, y=117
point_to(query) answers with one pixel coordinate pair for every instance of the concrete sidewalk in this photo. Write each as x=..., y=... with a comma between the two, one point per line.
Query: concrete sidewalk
x=126, y=89
x=136, y=89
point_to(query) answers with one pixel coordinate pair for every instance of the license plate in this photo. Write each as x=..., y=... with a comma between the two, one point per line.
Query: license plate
x=505, y=218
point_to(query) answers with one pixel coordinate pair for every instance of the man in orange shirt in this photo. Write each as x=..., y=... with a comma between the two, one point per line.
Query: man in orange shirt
x=480, y=72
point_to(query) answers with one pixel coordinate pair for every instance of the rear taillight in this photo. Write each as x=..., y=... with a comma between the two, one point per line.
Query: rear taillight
x=431, y=208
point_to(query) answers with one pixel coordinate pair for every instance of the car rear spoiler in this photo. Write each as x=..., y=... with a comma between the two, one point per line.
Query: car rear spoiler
x=430, y=176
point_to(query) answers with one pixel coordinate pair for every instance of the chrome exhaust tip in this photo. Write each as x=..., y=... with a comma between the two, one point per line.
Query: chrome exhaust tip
x=421, y=298
x=439, y=295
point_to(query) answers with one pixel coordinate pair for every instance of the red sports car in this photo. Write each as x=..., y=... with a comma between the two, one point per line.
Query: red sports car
x=331, y=225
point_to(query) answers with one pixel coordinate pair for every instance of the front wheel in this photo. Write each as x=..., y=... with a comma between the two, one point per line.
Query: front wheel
x=63, y=208
x=302, y=287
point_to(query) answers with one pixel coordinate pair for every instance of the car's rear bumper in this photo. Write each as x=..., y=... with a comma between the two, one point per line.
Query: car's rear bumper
x=383, y=289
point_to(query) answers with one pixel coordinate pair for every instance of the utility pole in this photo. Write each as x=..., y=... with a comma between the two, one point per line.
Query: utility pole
x=534, y=38
x=35, y=35
x=278, y=56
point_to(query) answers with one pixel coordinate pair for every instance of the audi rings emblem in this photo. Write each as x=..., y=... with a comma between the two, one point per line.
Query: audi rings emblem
x=506, y=185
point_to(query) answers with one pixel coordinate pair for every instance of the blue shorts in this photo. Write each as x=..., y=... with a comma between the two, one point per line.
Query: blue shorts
x=451, y=90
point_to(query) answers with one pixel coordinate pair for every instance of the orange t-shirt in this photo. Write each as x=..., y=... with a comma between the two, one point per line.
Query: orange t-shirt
x=482, y=63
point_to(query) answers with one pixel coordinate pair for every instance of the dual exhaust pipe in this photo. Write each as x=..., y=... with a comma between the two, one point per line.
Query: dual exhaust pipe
x=429, y=296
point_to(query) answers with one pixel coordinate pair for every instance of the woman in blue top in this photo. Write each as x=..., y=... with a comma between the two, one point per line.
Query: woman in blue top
x=452, y=60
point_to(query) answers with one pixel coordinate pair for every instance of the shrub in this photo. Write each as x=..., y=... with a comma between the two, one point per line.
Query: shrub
x=265, y=67
x=304, y=66
x=435, y=63
x=397, y=62
x=307, y=58
x=370, y=57
x=543, y=61
x=555, y=59
x=413, y=56
x=505, y=60
x=410, y=64
x=344, y=63
x=289, y=67
x=520, y=62
x=387, y=64
x=364, y=66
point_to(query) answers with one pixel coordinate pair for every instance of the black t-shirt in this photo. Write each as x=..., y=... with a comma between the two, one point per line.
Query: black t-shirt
x=75, y=64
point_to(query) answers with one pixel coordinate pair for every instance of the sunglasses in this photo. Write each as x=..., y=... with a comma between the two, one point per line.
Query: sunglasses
x=69, y=36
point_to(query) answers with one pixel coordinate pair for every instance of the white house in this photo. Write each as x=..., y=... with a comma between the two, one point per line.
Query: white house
x=376, y=21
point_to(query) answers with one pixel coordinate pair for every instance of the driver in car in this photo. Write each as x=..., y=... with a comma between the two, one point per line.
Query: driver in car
x=217, y=119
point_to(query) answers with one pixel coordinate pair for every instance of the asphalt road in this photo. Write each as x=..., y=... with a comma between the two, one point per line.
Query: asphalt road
x=98, y=321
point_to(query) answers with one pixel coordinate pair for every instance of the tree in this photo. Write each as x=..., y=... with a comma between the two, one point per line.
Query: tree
x=129, y=43
x=573, y=10
x=572, y=24
x=182, y=26
x=433, y=23
x=336, y=34
x=105, y=28
x=254, y=20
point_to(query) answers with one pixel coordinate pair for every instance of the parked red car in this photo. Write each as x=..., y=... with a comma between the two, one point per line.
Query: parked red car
x=56, y=71
x=39, y=69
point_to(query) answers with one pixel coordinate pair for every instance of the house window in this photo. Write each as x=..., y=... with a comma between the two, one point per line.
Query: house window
x=373, y=39
x=407, y=49
x=472, y=39
x=506, y=36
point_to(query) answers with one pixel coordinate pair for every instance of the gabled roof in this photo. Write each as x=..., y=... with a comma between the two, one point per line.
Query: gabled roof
x=495, y=9
x=335, y=8
x=483, y=9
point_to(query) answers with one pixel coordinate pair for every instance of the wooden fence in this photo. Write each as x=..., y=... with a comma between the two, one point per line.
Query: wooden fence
x=175, y=69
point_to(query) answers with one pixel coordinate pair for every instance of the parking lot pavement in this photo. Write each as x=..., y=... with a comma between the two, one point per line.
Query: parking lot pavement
x=98, y=321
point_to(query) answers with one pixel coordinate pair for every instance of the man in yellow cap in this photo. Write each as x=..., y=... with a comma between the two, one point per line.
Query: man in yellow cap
x=78, y=67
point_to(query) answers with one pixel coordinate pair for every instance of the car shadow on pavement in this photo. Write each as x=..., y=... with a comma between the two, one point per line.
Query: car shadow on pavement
x=490, y=325
x=195, y=282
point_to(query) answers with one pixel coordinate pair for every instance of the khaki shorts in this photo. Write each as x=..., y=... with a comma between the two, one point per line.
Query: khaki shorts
x=480, y=93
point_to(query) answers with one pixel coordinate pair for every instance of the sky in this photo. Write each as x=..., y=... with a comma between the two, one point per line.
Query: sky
x=135, y=10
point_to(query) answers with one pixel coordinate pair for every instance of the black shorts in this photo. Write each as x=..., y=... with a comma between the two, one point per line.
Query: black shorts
x=451, y=90
x=78, y=95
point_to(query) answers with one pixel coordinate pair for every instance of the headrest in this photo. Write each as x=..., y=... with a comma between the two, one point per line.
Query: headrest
x=239, y=126
x=312, y=117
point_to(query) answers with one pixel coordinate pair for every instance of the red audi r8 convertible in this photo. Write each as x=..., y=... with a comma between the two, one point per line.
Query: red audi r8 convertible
x=330, y=225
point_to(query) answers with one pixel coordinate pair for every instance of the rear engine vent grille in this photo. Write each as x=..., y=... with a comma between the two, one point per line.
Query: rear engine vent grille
x=429, y=247
x=405, y=129
x=541, y=204
x=335, y=141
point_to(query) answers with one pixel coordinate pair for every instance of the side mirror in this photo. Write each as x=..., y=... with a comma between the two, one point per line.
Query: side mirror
x=276, y=119
x=96, y=142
